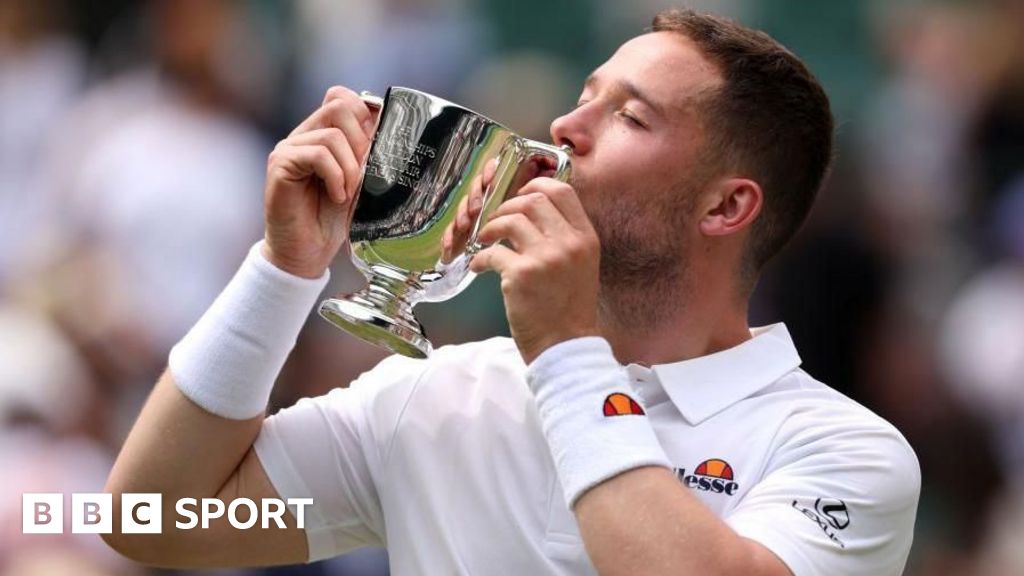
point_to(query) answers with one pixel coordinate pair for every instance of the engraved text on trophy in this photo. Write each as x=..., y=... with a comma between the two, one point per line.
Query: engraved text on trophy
x=398, y=158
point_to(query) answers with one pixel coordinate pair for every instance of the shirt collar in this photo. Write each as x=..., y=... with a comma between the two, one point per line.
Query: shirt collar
x=704, y=386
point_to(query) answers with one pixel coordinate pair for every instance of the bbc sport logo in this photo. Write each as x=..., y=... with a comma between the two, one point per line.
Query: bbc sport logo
x=43, y=513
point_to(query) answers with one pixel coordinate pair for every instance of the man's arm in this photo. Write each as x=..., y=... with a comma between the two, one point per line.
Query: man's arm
x=837, y=500
x=195, y=434
x=666, y=531
x=179, y=450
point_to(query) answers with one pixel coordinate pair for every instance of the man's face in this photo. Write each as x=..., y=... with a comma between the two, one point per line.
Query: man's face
x=636, y=137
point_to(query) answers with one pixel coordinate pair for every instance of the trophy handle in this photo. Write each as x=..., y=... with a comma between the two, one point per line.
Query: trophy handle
x=371, y=99
x=525, y=149
x=562, y=156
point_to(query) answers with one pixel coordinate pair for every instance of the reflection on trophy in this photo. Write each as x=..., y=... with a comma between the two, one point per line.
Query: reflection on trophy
x=429, y=161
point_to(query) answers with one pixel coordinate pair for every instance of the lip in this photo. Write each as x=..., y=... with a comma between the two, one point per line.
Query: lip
x=545, y=166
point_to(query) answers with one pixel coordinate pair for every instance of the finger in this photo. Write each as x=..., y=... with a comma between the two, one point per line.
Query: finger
x=366, y=115
x=456, y=234
x=301, y=162
x=341, y=115
x=463, y=218
x=496, y=257
x=447, y=244
x=516, y=228
x=539, y=209
x=339, y=92
x=476, y=195
x=336, y=141
x=339, y=96
x=469, y=207
x=475, y=201
x=565, y=200
x=489, y=170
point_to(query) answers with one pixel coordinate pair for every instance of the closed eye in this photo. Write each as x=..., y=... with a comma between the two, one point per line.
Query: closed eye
x=624, y=113
x=632, y=119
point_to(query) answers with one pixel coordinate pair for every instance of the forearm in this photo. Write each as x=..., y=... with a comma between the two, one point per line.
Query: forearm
x=205, y=412
x=634, y=515
x=644, y=522
x=178, y=449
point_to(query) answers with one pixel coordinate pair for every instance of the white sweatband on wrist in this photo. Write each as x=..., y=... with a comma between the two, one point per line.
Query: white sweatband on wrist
x=228, y=361
x=594, y=426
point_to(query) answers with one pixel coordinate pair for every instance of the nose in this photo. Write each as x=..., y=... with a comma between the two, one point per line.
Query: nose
x=572, y=129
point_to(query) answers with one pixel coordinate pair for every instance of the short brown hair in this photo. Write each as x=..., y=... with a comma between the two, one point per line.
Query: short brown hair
x=770, y=118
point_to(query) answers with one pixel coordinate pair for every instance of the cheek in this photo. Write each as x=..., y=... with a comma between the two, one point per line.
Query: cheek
x=640, y=153
x=629, y=169
x=622, y=164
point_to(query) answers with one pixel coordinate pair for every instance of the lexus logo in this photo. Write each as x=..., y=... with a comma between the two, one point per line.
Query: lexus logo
x=833, y=511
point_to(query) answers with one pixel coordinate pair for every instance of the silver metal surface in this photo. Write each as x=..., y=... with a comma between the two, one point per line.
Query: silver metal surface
x=425, y=159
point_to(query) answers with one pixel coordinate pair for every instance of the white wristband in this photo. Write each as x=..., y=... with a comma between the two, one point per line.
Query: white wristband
x=228, y=361
x=595, y=427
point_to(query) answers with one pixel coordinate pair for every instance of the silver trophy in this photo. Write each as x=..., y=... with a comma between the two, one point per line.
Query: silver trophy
x=427, y=157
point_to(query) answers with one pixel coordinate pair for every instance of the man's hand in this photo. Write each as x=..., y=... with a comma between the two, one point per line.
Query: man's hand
x=311, y=184
x=549, y=269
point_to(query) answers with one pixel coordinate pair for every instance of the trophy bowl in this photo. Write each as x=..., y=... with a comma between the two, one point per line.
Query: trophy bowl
x=426, y=158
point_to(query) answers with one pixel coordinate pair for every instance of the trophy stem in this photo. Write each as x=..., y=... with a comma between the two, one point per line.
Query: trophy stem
x=380, y=315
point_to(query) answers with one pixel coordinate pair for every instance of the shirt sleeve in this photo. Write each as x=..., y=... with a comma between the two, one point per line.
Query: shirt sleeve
x=330, y=448
x=840, y=500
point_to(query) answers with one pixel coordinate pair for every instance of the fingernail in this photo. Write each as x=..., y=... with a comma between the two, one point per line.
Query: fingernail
x=475, y=202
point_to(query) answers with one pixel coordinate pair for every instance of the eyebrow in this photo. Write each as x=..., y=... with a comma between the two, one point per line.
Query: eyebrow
x=629, y=89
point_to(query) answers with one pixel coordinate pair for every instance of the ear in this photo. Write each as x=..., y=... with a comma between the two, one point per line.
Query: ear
x=733, y=204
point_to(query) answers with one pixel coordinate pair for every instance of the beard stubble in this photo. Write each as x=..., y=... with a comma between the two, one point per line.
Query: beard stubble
x=643, y=269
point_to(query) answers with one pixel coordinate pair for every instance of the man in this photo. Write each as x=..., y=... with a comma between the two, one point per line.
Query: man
x=634, y=424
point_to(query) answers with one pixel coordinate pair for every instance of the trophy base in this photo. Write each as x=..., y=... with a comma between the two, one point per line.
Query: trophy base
x=363, y=318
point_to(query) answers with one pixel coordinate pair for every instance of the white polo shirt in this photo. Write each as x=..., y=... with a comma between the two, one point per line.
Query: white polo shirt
x=443, y=462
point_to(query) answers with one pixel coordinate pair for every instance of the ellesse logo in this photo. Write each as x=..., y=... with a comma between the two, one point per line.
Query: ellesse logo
x=714, y=475
x=619, y=404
